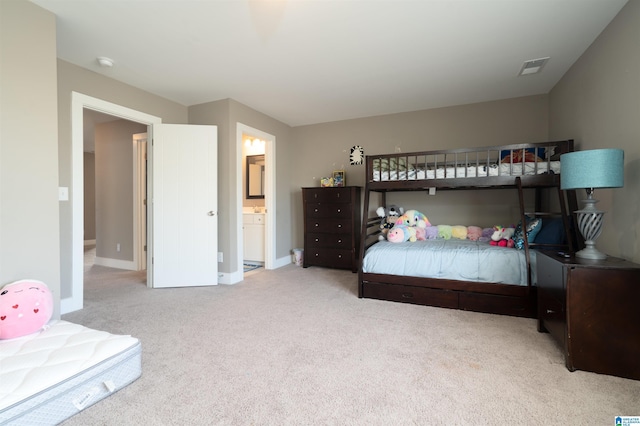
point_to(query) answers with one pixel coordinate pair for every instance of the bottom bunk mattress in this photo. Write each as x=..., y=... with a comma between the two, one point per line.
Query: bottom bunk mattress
x=453, y=259
x=47, y=377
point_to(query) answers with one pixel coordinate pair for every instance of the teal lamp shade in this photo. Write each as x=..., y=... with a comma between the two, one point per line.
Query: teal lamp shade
x=596, y=168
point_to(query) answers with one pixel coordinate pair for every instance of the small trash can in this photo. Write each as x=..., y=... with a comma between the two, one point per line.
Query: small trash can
x=298, y=254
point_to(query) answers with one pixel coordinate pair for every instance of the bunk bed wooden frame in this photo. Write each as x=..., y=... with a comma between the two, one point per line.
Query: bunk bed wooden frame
x=515, y=300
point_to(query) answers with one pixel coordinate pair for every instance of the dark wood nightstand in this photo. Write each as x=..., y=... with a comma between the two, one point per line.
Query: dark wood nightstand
x=592, y=309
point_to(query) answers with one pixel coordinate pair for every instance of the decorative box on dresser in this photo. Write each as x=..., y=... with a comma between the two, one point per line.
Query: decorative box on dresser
x=591, y=309
x=331, y=227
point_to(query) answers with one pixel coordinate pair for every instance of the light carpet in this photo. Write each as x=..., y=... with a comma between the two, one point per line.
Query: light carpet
x=296, y=346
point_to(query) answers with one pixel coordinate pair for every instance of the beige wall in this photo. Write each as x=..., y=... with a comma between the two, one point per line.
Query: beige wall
x=597, y=102
x=319, y=149
x=114, y=188
x=29, y=223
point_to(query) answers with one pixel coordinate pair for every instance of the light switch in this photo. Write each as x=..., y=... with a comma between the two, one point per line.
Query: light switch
x=63, y=193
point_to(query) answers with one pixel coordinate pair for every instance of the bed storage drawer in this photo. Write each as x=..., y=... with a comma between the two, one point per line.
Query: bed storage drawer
x=411, y=294
x=498, y=304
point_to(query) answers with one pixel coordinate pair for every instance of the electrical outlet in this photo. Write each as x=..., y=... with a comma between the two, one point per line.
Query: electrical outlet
x=220, y=257
x=118, y=247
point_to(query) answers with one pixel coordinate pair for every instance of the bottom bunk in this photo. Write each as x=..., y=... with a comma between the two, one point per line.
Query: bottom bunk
x=459, y=274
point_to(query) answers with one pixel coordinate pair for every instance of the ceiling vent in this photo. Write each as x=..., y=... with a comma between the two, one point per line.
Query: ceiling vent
x=533, y=66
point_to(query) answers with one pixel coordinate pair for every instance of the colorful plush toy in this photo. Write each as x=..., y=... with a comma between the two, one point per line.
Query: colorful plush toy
x=444, y=232
x=459, y=232
x=388, y=218
x=502, y=236
x=25, y=307
x=401, y=233
x=413, y=218
x=486, y=235
x=431, y=232
x=474, y=233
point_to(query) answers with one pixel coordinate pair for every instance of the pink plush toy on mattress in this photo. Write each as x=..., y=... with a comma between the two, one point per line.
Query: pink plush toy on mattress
x=25, y=307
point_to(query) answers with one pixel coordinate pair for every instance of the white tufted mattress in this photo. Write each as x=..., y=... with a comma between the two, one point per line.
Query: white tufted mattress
x=51, y=375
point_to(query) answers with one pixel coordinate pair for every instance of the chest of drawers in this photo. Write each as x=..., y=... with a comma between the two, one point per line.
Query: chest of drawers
x=331, y=227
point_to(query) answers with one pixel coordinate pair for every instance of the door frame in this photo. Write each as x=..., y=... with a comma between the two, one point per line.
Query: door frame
x=79, y=102
x=269, y=198
x=139, y=201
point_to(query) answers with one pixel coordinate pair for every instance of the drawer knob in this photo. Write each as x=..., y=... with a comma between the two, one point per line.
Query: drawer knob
x=317, y=254
x=339, y=210
x=339, y=256
x=339, y=225
x=315, y=210
x=317, y=239
x=317, y=225
x=339, y=241
x=551, y=311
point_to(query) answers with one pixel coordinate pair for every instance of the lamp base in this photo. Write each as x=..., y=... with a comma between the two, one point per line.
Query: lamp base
x=591, y=253
x=590, y=225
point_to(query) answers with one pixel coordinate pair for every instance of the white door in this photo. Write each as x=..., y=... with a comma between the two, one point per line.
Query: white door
x=184, y=206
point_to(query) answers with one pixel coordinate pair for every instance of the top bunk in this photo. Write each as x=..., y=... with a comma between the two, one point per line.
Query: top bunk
x=536, y=164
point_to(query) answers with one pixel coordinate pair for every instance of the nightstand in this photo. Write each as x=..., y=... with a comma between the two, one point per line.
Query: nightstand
x=591, y=308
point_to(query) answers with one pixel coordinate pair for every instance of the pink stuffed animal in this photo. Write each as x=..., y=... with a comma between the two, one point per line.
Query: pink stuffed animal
x=25, y=307
x=402, y=233
x=474, y=233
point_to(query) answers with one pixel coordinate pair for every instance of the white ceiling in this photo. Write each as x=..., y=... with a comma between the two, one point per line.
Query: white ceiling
x=313, y=61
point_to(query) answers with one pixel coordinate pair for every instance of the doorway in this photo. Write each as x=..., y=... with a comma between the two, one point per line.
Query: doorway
x=79, y=103
x=242, y=132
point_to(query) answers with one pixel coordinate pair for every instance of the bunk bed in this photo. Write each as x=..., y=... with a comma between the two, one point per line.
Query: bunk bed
x=516, y=167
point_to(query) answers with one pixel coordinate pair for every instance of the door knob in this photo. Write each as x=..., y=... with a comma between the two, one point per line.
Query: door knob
x=211, y=213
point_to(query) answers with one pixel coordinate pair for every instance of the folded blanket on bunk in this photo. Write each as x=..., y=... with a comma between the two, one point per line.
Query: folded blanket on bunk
x=461, y=260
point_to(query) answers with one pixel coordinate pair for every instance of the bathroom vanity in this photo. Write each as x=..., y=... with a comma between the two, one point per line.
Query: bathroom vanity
x=253, y=236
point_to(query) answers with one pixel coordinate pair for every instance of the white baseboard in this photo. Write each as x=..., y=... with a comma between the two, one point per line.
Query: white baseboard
x=116, y=263
x=230, y=278
x=283, y=261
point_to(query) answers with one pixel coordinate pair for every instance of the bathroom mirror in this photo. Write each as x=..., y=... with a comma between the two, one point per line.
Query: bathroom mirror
x=255, y=176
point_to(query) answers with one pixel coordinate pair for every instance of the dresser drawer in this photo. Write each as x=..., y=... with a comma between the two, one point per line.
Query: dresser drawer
x=327, y=195
x=329, y=225
x=334, y=258
x=335, y=210
x=339, y=241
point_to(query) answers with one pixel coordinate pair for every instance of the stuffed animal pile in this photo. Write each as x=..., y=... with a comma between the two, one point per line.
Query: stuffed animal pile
x=413, y=225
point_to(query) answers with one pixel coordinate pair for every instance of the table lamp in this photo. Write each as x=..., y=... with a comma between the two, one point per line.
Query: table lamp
x=596, y=168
